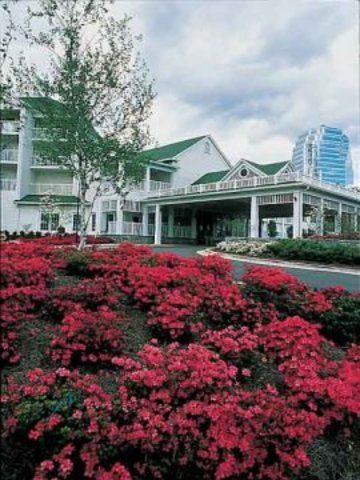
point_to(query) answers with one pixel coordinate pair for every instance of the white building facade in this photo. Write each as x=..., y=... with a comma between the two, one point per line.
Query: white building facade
x=190, y=193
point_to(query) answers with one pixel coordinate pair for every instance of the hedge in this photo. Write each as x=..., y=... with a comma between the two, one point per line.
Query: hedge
x=316, y=251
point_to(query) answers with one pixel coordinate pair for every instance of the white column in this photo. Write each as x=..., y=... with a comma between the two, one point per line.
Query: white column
x=338, y=217
x=171, y=219
x=254, y=218
x=320, y=217
x=297, y=215
x=147, y=180
x=157, y=236
x=120, y=218
x=145, y=220
x=193, y=223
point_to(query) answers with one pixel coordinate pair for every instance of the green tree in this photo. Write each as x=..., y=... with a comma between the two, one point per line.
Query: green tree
x=99, y=97
x=272, y=230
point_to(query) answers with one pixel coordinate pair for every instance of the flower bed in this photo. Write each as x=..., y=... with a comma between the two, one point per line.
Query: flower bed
x=162, y=367
x=313, y=250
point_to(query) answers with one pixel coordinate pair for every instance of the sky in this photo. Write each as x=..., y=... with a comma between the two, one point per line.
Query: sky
x=254, y=74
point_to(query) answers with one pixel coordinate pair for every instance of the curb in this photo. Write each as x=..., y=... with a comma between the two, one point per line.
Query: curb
x=279, y=263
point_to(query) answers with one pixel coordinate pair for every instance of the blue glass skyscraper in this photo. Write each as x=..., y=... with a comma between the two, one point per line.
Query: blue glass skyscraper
x=324, y=153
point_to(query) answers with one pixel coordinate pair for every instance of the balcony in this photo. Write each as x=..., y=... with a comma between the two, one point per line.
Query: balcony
x=9, y=155
x=8, y=184
x=40, y=133
x=10, y=127
x=38, y=161
x=151, y=186
x=49, y=188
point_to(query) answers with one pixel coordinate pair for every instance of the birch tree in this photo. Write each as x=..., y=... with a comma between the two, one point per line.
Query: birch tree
x=99, y=96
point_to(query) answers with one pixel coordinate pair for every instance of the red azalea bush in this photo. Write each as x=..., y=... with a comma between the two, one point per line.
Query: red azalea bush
x=247, y=391
x=71, y=239
x=25, y=279
x=88, y=337
x=289, y=295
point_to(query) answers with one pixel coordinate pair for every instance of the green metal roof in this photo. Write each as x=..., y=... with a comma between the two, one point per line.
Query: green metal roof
x=60, y=199
x=170, y=150
x=211, y=177
x=269, y=168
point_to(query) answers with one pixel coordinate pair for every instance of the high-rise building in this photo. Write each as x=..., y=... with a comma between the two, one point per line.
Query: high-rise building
x=324, y=153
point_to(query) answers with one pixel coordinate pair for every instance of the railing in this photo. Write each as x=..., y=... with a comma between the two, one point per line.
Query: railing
x=151, y=186
x=38, y=161
x=256, y=182
x=9, y=155
x=7, y=184
x=111, y=227
x=182, y=231
x=132, y=206
x=10, y=127
x=57, y=189
x=132, y=228
x=40, y=133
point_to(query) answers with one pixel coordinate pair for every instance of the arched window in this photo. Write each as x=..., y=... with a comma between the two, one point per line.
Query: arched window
x=207, y=147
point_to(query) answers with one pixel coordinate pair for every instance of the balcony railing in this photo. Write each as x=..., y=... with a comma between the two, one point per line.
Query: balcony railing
x=111, y=227
x=256, y=182
x=9, y=155
x=10, y=127
x=7, y=184
x=132, y=228
x=38, y=161
x=56, y=189
x=131, y=206
x=151, y=186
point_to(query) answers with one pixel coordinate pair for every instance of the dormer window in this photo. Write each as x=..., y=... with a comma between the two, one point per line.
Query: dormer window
x=207, y=148
x=244, y=172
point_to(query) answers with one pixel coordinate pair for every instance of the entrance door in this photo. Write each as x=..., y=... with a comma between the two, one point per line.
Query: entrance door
x=110, y=218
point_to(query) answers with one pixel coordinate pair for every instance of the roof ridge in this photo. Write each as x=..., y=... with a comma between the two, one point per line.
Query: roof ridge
x=175, y=143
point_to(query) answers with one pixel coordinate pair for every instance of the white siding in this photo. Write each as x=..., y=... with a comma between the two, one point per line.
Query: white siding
x=194, y=162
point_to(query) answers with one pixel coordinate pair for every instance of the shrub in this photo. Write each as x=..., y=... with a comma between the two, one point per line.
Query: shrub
x=316, y=251
x=88, y=337
x=77, y=263
x=342, y=323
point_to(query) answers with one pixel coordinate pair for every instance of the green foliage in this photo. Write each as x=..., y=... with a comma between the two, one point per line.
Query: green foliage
x=95, y=102
x=342, y=323
x=316, y=251
x=78, y=263
x=272, y=230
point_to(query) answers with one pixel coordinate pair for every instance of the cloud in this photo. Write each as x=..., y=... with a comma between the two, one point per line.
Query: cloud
x=253, y=74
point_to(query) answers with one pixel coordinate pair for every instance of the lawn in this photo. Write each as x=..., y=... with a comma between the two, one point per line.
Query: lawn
x=126, y=364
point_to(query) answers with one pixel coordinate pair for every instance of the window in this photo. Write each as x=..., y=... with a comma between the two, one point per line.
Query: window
x=49, y=221
x=76, y=222
x=243, y=172
x=93, y=222
x=207, y=147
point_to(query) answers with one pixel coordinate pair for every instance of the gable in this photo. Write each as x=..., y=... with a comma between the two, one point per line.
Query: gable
x=243, y=169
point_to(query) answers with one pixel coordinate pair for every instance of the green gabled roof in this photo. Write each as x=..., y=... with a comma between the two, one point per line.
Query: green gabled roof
x=211, y=177
x=60, y=199
x=269, y=168
x=170, y=150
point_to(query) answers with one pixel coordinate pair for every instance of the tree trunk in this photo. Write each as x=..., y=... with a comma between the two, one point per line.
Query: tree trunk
x=82, y=219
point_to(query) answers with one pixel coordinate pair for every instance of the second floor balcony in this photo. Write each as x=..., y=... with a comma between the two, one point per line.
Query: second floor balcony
x=9, y=127
x=51, y=188
x=151, y=186
x=9, y=155
x=39, y=161
x=8, y=184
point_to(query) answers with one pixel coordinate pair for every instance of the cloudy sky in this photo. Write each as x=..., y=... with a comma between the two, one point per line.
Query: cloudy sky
x=254, y=74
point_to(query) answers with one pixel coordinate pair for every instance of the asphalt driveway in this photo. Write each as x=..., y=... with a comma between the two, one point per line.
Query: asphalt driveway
x=316, y=278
